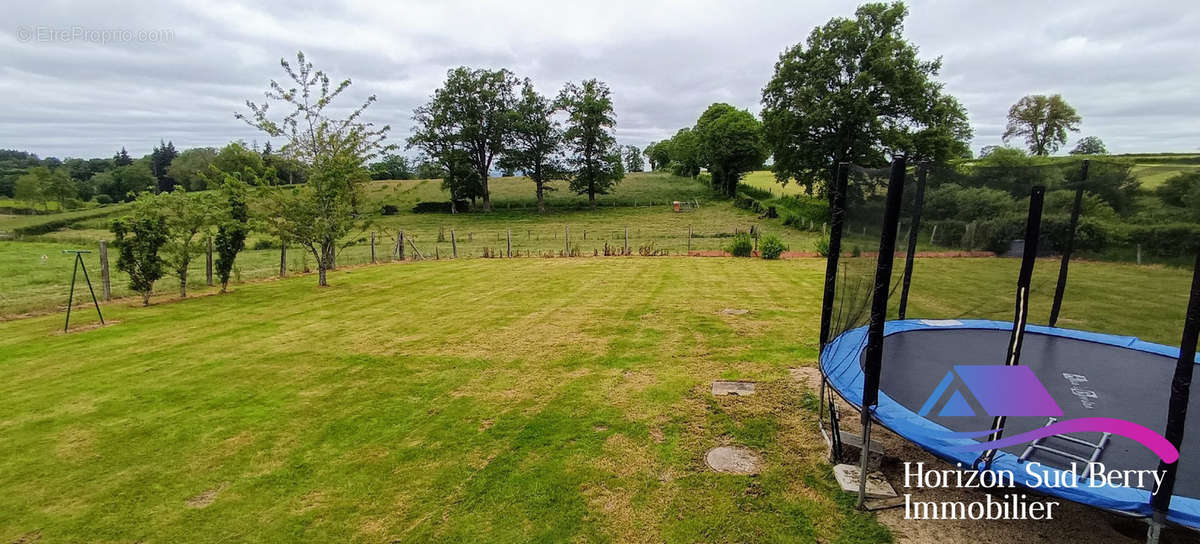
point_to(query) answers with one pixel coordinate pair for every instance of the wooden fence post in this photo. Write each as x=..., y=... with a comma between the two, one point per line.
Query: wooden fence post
x=933, y=234
x=282, y=258
x=372, y=247
x=208, y=263
x=453, y=245
x=104, y=278
x=626, y=240
x=1139, y=254
x=508, y=238
x=689, y=239
x=567, y=240
x=400, y=244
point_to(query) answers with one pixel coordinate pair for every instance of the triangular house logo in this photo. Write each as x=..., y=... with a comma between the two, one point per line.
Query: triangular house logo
x=998, y=389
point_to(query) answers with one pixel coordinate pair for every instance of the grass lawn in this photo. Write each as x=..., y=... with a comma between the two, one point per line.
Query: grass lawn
x=1152, y=175
x=475, y=400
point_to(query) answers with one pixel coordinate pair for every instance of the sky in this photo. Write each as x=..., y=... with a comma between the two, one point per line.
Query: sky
x=83, y=79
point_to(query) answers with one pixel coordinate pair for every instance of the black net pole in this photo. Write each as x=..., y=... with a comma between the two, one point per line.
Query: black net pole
x=913, y=233
x=71, y=296
x=837, y=217
x=837, y=214
x=879, y=299
x=883, y=279
x=1181, y=386
x=1033, y=229
x=1061, y=288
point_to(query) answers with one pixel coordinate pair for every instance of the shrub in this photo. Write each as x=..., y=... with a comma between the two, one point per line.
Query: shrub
x=822, y=246
x=266, y=243
x=441, y=207
x=704, y=177
x=741, y=245
x=1170, y=240
x=103, y=199
x=771, y=247
x=390, y=209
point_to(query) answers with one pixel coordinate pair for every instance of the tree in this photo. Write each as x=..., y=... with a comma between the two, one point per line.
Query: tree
x=427, y=169
x=1178, y=190
x=32, y=187
x=856, y=91
x=237, y=158
x=684, y=150
x=731, y=144
x=122, y=158
x=189, y=216
x=60, y=187
x=124, y=183
x=392, y=167
x=1042, y=121
x=467, y=118
x=595, y=160
x=534, y=141
x=633, y=159
x=160, y=164
x=322, y=213
x=1090, y=145
x=191, y=168
x=659, y=154
x=232, y=224
x=138, y=237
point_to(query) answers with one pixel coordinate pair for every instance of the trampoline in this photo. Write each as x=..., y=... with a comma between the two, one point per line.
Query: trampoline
x=938, y=382
x=1087, y=374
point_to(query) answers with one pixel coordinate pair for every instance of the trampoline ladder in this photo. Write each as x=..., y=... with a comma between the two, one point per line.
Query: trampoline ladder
x=1097, y=448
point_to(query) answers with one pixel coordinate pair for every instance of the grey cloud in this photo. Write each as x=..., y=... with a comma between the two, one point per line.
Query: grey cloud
x=1130, y=69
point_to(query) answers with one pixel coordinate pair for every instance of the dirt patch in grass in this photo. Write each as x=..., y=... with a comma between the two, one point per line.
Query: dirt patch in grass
x=75, y=444
x=206, y=498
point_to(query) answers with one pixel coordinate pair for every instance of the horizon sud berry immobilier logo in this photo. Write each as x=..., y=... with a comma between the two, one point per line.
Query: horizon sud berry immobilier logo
x=1003, y=391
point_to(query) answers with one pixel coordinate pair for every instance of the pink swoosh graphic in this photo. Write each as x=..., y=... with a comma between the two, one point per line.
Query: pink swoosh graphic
x=1142, y=435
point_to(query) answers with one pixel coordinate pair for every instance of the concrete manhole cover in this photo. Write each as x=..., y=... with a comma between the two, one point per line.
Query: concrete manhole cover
x=732, y=460
x=740, y=389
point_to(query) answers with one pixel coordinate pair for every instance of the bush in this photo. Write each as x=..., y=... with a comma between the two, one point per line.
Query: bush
x=771, y=247
x=266, y=243
x=103, y=199
x=704, y=177
x=741, y=245
x=822, y=246
x=390, y=209
x=441, y=207
x=1171, y=240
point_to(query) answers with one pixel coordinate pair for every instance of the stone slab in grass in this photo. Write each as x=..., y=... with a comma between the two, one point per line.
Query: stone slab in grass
x=877, y=486
x=733, y=460
x=740, y=389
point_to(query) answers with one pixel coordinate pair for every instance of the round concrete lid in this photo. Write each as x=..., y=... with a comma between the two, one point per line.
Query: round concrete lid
x=733, y=460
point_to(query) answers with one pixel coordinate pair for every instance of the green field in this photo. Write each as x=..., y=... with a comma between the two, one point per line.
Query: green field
x=474, y=400
x=1152, y=175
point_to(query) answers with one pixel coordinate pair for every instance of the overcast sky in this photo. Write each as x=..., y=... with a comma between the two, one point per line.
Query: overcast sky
x=178, y=70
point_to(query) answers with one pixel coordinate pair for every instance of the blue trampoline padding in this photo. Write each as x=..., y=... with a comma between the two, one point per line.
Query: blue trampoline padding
x=841, y=366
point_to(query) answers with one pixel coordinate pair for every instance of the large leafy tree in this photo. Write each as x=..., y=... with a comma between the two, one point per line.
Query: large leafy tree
x=43, y=184
x=1042, y=121
x=321, y=214
x=467, y=119
x=634, y=162
x=730, y=143
x=684, y=151
x=190, y=168
x=856, y=91
x=595, y=159
x=534, y=141
x=1090, y=145
x=392, y=166
x=659, y=154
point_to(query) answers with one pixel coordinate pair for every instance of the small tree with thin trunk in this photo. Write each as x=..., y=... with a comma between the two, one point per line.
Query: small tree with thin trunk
x=334, y=150
x=595, y=159
x=232, y=225
x=137, y=238
x=534, y=142
x=189, y=219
